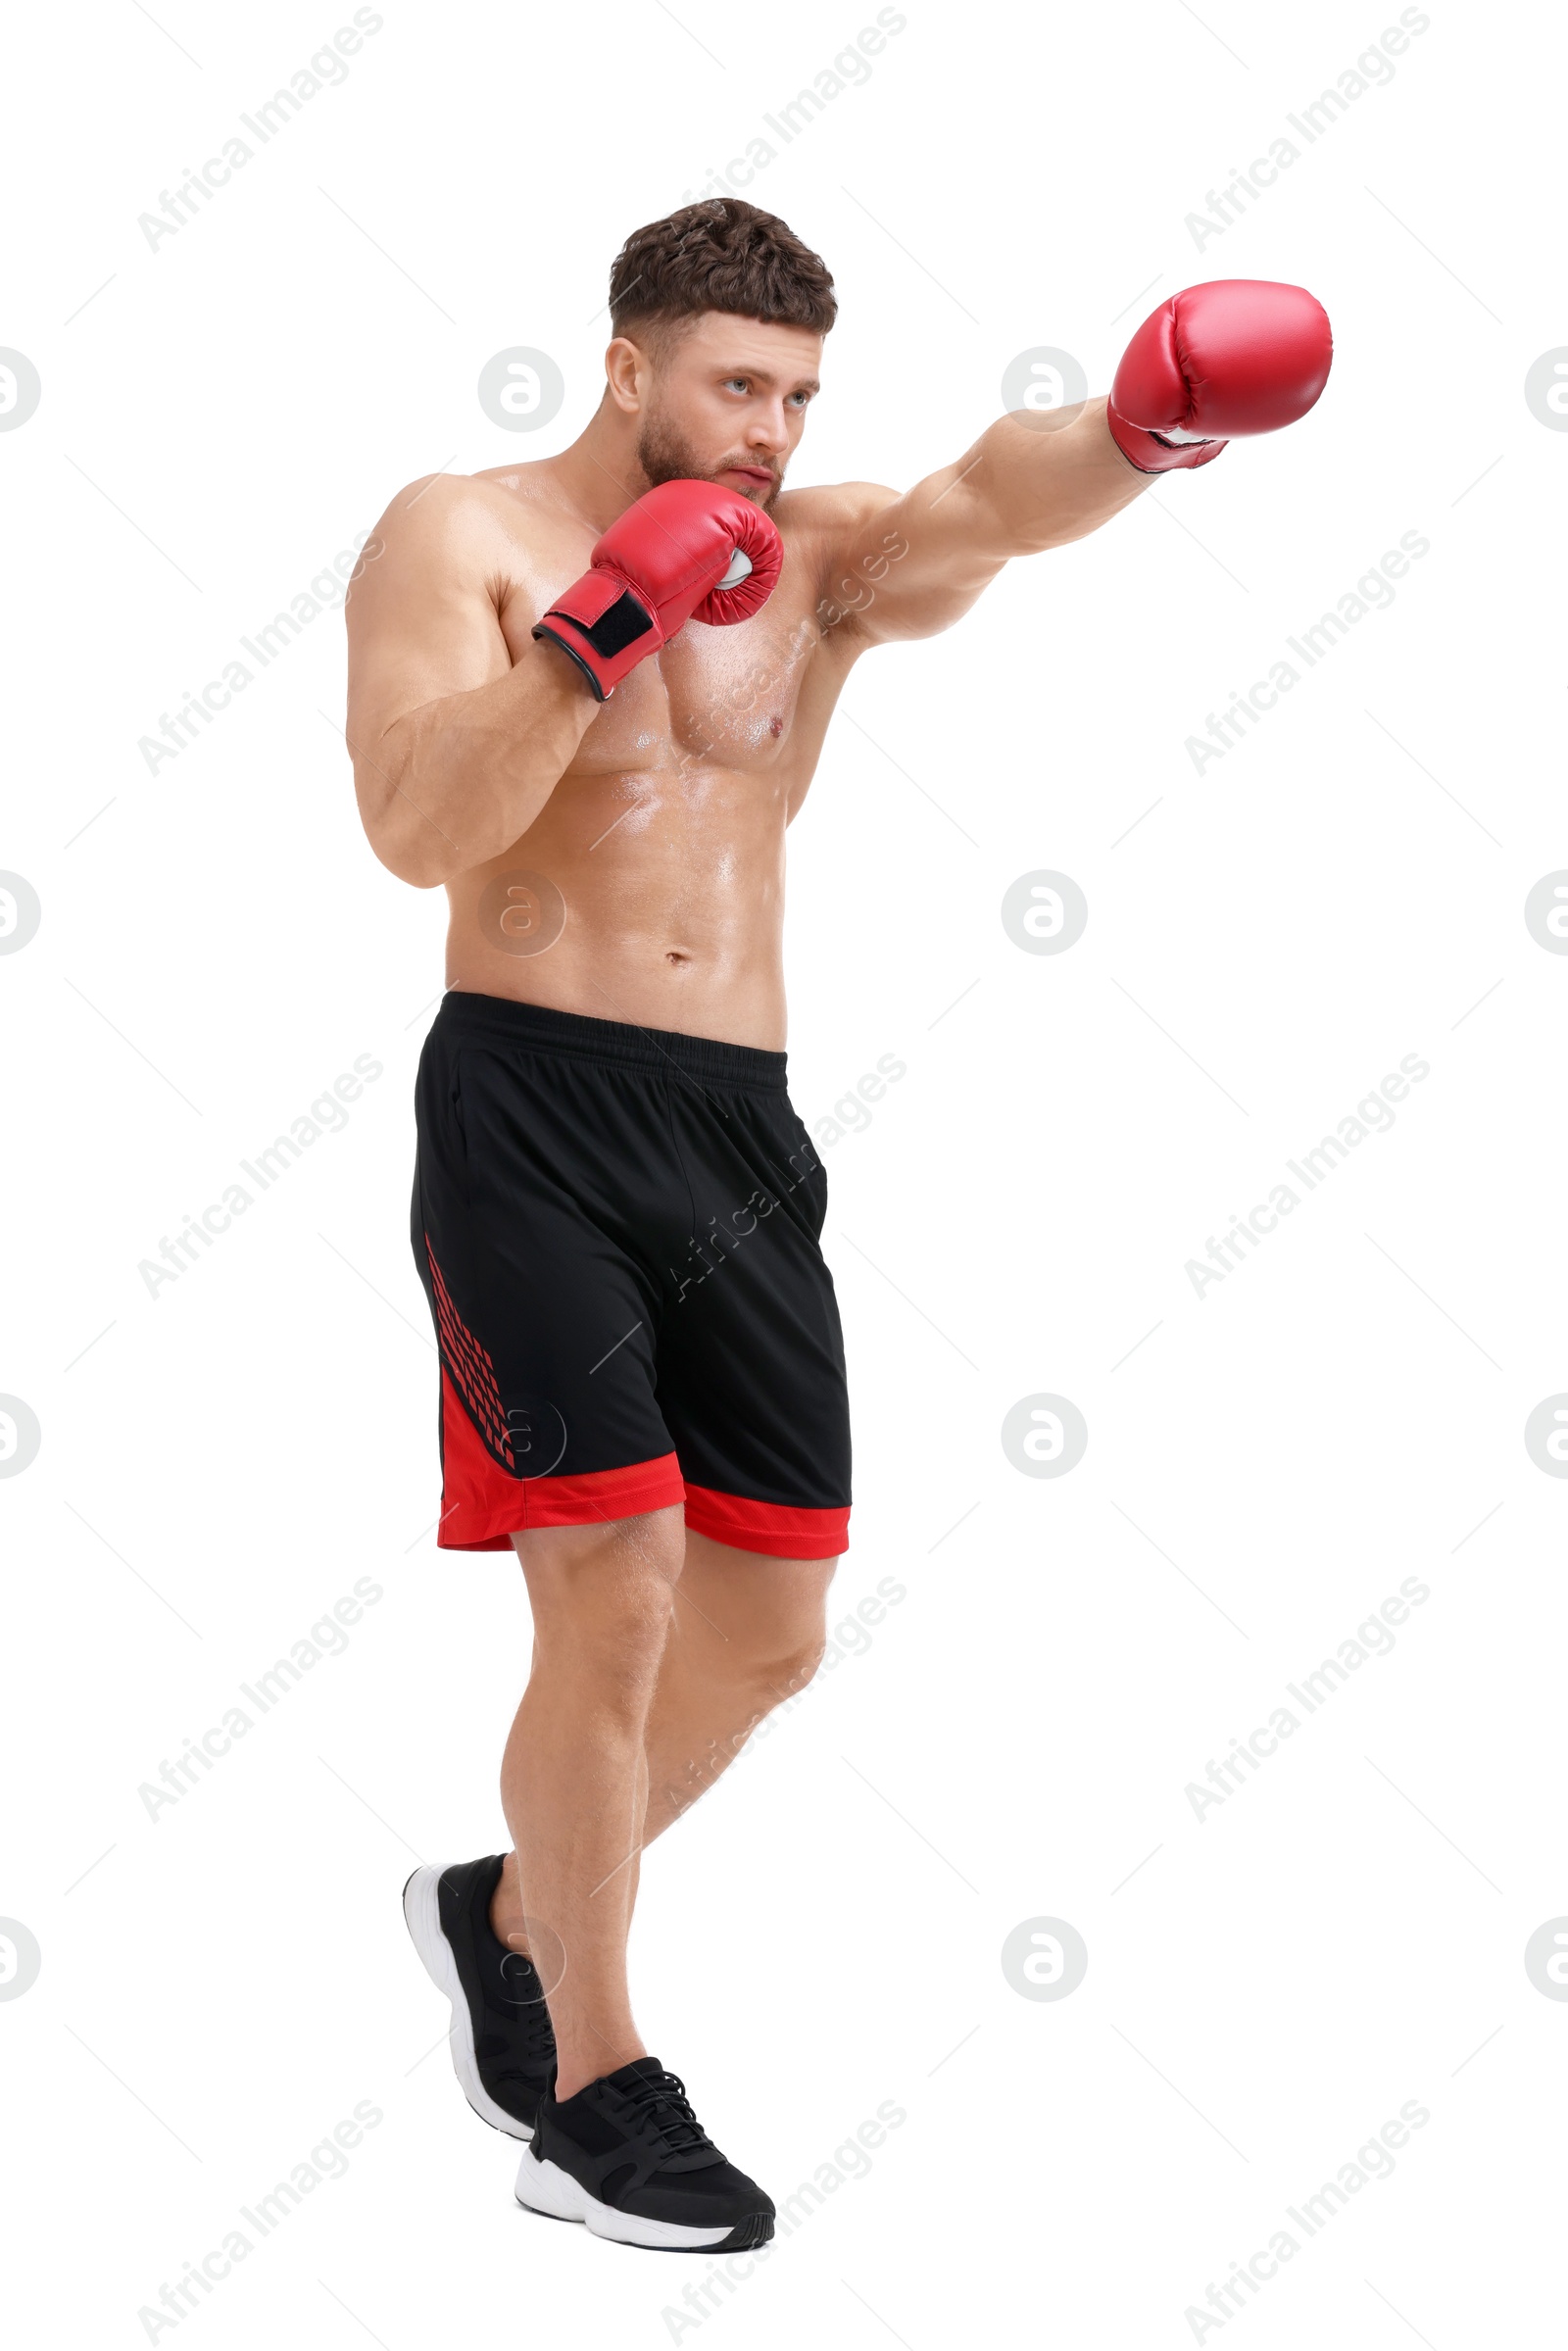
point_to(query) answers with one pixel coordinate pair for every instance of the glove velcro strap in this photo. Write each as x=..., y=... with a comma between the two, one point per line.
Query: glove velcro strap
x=622, y=622
x=598, y=621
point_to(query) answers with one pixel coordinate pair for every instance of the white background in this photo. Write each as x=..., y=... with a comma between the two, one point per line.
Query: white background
x=1345, y=1932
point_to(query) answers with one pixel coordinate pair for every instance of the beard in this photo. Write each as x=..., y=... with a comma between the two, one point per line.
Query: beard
x=665, y=455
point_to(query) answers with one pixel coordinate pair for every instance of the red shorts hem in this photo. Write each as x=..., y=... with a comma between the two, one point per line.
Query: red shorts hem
x=775, y=1529
x=482, y=1507
x=484, y=1504
x=597, y=1497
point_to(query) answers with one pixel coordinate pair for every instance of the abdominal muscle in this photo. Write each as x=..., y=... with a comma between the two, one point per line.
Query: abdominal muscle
x=654, y=897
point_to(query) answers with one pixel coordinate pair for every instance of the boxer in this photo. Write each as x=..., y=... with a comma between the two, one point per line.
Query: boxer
x=587, y=695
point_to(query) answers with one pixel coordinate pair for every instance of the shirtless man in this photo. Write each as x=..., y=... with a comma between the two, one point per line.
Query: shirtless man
x=587, y=695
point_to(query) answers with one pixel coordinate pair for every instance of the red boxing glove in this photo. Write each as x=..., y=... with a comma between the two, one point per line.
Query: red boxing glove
x=685, y=550
x=1239, y=355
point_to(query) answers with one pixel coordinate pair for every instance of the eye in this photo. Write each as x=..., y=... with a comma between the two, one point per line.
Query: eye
x=740, y=383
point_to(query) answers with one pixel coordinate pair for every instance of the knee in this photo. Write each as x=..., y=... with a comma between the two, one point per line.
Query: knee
x=781, y=1669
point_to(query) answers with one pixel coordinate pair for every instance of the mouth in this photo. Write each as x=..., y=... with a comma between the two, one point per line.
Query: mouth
x=757, y=476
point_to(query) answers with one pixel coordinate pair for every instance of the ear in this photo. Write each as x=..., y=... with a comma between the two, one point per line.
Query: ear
x=628, y=372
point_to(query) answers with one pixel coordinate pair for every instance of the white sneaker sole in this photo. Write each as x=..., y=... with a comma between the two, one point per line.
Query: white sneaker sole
x=421, y=1908
x=545, y=2188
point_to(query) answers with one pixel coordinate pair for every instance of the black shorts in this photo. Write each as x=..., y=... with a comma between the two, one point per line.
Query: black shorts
x=618, y=1230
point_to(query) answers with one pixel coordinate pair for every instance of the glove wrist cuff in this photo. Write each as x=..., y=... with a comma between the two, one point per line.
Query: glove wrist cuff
x=1149, y=454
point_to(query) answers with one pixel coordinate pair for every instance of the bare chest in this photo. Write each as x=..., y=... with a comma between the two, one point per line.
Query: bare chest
x=726, y=697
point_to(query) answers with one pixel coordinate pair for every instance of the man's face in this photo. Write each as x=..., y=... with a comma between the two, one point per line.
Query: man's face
x=724, y=400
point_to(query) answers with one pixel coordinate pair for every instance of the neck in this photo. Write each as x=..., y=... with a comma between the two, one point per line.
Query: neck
x=599, y=473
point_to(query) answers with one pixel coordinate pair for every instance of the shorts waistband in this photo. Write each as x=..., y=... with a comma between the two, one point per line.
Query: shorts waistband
x=577, y=1037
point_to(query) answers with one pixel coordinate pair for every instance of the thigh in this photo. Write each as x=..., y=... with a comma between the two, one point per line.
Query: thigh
x=752, y=1375
x=545, y=1314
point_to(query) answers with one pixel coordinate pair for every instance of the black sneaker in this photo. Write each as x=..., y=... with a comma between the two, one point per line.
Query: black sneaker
x=503, y=2047
x=629, y=2156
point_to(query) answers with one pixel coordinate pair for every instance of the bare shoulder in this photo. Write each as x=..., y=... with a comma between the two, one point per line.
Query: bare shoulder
x=849, y=549
x=827, y=523
x=451, y=517
x=831, y=508
x=467, y=523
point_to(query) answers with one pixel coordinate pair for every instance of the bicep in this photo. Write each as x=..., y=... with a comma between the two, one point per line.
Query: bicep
x=422, y=617
x=1021, y=489
x=911, y=565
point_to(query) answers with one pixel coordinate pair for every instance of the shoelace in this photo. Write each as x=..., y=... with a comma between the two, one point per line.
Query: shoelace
x=523, y=1995
x=663, y=2114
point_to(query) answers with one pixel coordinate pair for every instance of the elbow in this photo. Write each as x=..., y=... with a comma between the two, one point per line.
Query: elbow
x=405, y=841
x=409, y=861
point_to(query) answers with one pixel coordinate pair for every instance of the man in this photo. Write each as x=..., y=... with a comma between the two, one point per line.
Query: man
x=587, y=695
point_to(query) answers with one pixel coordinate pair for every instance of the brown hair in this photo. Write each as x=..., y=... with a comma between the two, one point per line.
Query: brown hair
x=720, y=255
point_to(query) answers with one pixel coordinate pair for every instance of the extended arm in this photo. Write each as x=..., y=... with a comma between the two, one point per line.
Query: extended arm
x=911, y=565
x=1235, y=358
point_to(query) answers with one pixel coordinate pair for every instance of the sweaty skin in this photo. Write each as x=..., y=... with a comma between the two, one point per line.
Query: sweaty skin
x=659, y=816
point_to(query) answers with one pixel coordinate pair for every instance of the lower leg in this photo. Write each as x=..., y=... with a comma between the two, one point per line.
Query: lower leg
x=746, y=1633
x=575, y=1777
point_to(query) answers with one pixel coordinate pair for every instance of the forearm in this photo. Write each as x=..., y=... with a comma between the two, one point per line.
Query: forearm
x=456, y=781
x=1025, y=485
x=1033, y=484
